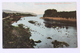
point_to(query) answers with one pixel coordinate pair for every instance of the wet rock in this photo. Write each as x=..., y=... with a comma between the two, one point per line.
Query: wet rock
x=34, y=22
x=31, y=21
x=49, y=38
x=57, y=44
x=39, y=41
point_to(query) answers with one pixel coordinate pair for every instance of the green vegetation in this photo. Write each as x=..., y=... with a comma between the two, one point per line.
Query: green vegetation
x=16, y=37
x=5, y=14
x=64, y=14
x=16, y=14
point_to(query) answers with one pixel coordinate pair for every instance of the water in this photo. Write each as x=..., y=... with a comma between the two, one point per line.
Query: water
x=41, y=32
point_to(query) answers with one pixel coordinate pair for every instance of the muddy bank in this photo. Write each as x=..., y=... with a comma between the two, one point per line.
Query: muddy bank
x=59, y=19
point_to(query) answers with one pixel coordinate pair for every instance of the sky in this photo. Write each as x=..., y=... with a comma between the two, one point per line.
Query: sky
x=38, y=7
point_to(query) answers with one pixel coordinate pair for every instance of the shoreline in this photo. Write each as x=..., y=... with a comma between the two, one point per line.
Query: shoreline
x=13, y=18
x=59, y=19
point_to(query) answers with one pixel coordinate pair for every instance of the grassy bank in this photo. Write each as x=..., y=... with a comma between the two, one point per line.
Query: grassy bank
x=16, y=36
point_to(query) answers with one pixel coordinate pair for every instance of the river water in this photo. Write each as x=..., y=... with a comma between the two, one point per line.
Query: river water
x=41, y=32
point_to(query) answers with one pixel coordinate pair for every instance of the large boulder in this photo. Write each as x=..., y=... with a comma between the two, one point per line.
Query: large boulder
x=50, y=13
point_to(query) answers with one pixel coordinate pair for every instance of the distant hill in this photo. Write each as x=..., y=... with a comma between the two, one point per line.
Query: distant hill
x=6, y=13
x=10, y=11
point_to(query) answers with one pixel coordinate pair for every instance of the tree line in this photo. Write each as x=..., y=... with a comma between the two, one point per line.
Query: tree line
x=63, y=14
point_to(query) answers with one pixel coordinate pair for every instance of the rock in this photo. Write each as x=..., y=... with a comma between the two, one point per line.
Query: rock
x=33, y=22
x=49, y=38
x=39, y=41
x=50, y=13
x=57, y=44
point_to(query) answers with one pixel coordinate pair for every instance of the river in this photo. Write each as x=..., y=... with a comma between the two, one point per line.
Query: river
x=41, y=32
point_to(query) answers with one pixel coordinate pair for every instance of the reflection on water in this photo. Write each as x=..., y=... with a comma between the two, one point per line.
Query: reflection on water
x=47, y=31
x=55, y=23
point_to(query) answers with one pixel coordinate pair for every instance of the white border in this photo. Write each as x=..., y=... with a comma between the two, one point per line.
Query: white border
x=54, y=50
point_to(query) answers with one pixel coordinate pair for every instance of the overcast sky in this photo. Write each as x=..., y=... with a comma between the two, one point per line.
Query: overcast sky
x=38, y=7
